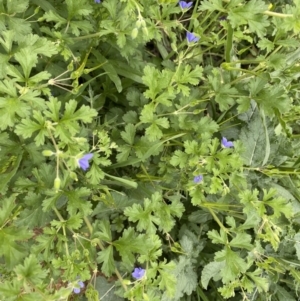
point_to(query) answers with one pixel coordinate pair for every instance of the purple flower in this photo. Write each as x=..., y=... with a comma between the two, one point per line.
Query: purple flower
x=185, y=5
x=76, y=290
x=226, y=143
x=84, y=161
x=97, y=1
x=198, y=179
x=191, y=37
x=138, y=273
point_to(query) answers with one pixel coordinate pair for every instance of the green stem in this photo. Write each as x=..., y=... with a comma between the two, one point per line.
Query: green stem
x=93, y=35
x=201, y=294
x=228, y=43
x=63, y=227
x=58, y=214
x=279, y=15
x=217, y=220
x=65, y=235
x=121, y=279
x=90, y=227
x=116, y=270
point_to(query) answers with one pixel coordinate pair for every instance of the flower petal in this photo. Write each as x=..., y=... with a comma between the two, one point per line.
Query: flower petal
x=198, y=179
x=138, y=273
x=84, y=161
x=185, y=5
x=226, y=143
x=191, y=37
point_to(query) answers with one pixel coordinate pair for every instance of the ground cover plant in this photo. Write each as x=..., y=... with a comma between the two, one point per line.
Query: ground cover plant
x=149, y=150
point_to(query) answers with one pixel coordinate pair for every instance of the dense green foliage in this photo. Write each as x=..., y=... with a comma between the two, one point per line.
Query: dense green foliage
x=119, y=79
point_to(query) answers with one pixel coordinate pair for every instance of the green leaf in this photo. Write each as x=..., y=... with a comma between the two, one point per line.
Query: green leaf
x=261, y=283
x=51, y=15
x=179, y=158
x=27, y=60
x=283, y=294
x=11, y=289
x=17, y=6
x=185, y=76
x=153, y=132
x=129, y=134
x=8, y=36
x=254, y=140
x=212, y=5
x=252, y=14
x=146, y=221
x=68, y=124
x=84, y=113
x=156, y=81
x=297, y=244
x=130, y=243
x=31, y=271
x=45, y=242
x=217, y=238
x=48, y=203
x=224, y=93
x=211, y=270
x=77, y=201
x=104, y=287
x=8, y=205
x=78, y=8
x=74, y=222
x=269, y=97
x=106, y=257
x=33, y=216
x=153, y=250
x=104, y=232
x=147, y=114
x=28, y=127
x=242, y=240
x=10, y=168
x=279, y=204
x=109, y=69
x=95, y=174
x=11, y=247
x=167, y=280
x=265, y=44
x=234, y=264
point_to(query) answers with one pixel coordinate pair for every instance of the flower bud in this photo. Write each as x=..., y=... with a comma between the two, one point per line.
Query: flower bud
x=138, y=23
x=70, y=67
x=145, y=31
x=73, y=176
x=134, y=33
x=57, y=184
x=126, y=282
x=37, y=10
x=47, y=153
x=143, y=23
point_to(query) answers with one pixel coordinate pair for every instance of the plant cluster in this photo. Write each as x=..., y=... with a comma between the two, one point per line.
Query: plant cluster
x=149, y=150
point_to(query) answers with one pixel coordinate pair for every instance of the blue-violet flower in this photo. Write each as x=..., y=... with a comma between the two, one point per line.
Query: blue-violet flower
x=76, y=290
x=185, y=5
x=138, y=273
x=84, y=161
x=226, y=143
x=198, y=179
x=191, y=37
x=97, y=1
